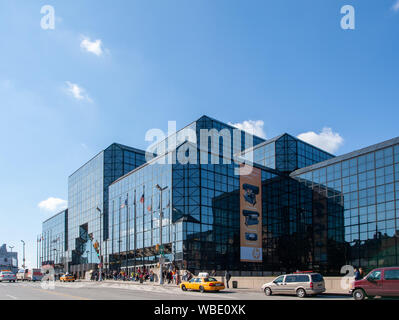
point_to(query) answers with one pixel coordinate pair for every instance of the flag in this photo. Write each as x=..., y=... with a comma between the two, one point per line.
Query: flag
x=149, y=208
x=142, y=198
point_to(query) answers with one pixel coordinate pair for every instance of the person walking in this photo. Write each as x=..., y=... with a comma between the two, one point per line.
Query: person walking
x=357, y=274
x=227, y=276
x=361, y=273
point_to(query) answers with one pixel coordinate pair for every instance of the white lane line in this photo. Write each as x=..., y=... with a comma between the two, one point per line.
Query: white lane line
x=12, y=297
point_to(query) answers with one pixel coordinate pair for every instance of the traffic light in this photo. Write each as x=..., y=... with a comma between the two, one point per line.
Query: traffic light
x=96, y=247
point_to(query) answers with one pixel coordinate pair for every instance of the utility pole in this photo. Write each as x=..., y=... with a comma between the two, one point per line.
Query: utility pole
x=11, y=247
x=160, y=233
x=23, y=255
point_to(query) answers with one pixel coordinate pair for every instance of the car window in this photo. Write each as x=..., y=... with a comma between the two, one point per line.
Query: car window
x=209, y=279
x=198, y=280
x=375, y=275
x=391, y=274
x=302, y=278
x=192, y=280
x=290, y=279
x=317, y=278
x=279, y=279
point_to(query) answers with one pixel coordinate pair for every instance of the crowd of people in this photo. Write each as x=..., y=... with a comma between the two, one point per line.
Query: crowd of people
x=170, y=276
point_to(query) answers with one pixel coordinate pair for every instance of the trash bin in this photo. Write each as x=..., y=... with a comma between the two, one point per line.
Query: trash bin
x=235, y=284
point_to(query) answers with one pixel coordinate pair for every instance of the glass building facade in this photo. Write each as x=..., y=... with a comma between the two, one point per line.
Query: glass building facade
x=54, y=239
x=357, y=196
x=135, y=224
x=286, y=153
x=87, y=191
x=319, y=212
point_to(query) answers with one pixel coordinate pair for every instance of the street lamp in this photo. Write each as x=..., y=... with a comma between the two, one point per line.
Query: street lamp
x=23, y=266
x=100, y=278
x=55, y=258
x=11, y=247
x=160, y=232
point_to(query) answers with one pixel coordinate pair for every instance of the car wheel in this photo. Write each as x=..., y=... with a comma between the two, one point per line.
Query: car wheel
x=183, y=287
x=359, y=294
x=268, y=291
x=301, y=293
x=201, y=289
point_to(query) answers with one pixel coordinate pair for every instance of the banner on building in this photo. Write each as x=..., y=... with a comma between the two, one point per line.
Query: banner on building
x=251, y=215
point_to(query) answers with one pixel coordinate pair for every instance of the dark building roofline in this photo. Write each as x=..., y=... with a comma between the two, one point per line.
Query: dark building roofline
x=349, y=155
x=116, y=144
x=280, y=136
x=256, y=165
x=53, y=216
x=209, y=118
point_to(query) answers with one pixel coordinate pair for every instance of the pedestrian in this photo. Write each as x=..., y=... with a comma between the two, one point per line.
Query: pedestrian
x=227, y=276
x=361, y=273
x=213, y=273
x=357, y=274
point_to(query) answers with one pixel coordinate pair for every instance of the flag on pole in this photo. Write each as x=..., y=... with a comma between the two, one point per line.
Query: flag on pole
x=142, y=199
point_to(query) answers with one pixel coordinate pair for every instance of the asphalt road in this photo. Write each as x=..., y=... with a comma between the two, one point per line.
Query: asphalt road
x=128, y=291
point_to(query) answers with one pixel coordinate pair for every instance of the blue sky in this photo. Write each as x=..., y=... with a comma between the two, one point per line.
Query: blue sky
x=111, y=70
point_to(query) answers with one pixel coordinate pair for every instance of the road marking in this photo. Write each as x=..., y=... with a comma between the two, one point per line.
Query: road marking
x=61, y=294
x=12, y=297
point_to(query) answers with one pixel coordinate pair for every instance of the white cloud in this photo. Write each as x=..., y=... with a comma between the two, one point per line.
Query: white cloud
x=395, y=7
x=327, y=139
x=95, y=47
x=77, y=92
x=53, y=204
x=252, y=126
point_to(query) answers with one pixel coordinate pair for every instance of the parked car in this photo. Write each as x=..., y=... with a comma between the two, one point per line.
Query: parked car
x=301, y=284
x=202, y=284
x=383, y=282
x=7, y=276
x=67, y=278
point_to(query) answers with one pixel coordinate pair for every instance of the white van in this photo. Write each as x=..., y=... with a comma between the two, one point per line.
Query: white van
x=30, y=275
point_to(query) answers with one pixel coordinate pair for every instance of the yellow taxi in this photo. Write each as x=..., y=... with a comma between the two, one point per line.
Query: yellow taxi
x=202, y=284
x=67, y=278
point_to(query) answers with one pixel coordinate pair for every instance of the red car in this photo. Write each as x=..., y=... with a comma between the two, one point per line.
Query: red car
x=383, y=282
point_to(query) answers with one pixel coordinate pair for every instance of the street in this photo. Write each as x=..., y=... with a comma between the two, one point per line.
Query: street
x=130, y=291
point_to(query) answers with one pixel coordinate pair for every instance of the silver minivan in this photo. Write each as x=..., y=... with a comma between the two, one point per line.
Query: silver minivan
x=301, y=284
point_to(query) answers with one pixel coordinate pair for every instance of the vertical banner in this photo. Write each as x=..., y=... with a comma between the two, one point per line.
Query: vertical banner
x=251, y=215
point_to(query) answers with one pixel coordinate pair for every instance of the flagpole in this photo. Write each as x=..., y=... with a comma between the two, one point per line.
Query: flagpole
x=127, y=230
x=143, y=225
x=37, y=252
x=135, y=244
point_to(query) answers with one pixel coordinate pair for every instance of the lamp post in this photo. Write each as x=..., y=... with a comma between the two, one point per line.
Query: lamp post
x=55, y=260
x=11, y=247
x=23, y=259
x=160, y=232
x=100, y=278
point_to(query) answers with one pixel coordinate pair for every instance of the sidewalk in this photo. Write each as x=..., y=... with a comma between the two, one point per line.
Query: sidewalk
x=155, y=284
